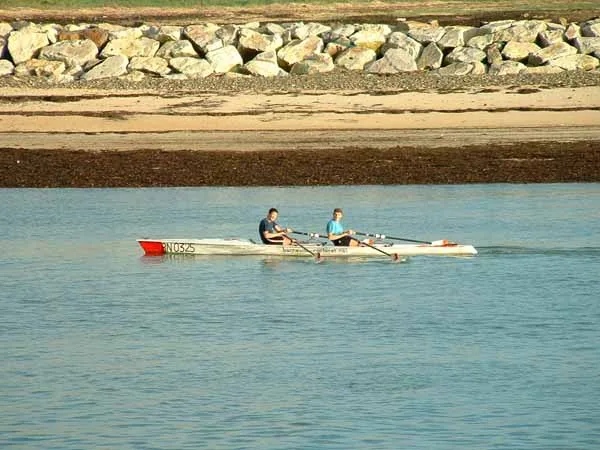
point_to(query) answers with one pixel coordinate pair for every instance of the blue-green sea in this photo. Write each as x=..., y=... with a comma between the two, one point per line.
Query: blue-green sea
x=104, y=348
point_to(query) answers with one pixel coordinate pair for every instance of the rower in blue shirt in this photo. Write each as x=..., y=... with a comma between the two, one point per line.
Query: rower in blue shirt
x=270, y=232
x=336, y=232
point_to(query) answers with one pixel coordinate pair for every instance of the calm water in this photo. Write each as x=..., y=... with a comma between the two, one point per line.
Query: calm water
x=103, y=348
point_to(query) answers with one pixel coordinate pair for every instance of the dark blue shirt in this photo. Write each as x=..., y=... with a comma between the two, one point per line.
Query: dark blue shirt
x=265, y=225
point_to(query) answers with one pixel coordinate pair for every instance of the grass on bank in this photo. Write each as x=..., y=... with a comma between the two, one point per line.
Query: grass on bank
x=447, y=6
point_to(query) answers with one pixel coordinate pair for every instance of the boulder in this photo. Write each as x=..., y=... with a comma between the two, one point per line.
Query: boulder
x=550, y=37
x=251, y=43
x=302, y=31
x=113, y=66
x=262, y=68
x=6, y=68
x=72, y=53
x=481, y=42
x=201, y=35
x=401, y=40
x=576, y=62
x=426, y=34
x=40, y=68
x=497, y=26
x=464, y=54
x=431, y=58
x=456, y=36
x=130, y=47
x=97, y=35
x=526, y=31
x=456, y=69
x=587, y=45
x=177, y=49
x=298, y=50
x=224, y=59
x=591, y=29
x=395, y=60
x=338, y=46
x=24, y=45
x=373, y=39
x=191, y=67
x=549, y=53
x=5, y=29
x=149, y=64
x=519, y=51
x=315, y=63
x=507, y=68
x=573, y=31
x=355, y=58
x=164, y=34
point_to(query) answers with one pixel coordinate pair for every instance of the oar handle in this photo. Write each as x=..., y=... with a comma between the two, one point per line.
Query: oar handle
x=385, y=236
x=310, y=235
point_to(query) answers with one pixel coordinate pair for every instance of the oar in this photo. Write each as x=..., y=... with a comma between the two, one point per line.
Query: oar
x=394, y=256
x=316, y=255
x=384, y=236
x=310, y=235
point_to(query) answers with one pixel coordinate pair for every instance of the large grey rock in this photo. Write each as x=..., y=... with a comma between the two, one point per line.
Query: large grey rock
x=355, y=58
x=550, y=37
x=519, y=51
x=177, y=49
x=576, y=62
x=24, y=45
x=431, y=57
x=265, y=65
x=6, y=68
x=224, y=59
x=426, y=34
x=113, y=66
x=368, y=38
x=40, y=68
x=121, y=32
x=149, y=64
x=481, y=42
x=591, y=29
x=338, y=46
x=493, y=55
x=302, y=31
x=229, y=34
x=298, y=50
x=395, y=60
x=544, y=70
x=456, y=36
x=5, y=29
x=202, y=36
x=272, y=28
x=192, y=67
x=72, y=53
x=464, y=54
x=525, y=31
x=95, y=34
x=456, y=69
x=507, y=68
x=549, y=53
x=573, y=31
x=315, y=63
x=342, y=30
x=497, y=26
x=252, y=43
x=162, y=34
x=401, y=40
x=130, y=47
x=587, y=45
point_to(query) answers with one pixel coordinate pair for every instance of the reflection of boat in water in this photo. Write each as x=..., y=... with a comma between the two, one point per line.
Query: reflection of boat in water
x=240, y=247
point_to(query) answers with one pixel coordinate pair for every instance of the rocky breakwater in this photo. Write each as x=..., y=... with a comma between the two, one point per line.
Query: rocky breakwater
x=67, y=53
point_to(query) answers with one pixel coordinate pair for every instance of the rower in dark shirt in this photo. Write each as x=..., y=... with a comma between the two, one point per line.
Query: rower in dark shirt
x=270, y=232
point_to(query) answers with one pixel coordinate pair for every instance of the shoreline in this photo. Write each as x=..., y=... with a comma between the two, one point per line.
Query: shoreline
x=525, y=163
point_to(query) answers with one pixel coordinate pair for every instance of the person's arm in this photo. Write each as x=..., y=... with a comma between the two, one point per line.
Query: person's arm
x=334, y=237
x=279, y=232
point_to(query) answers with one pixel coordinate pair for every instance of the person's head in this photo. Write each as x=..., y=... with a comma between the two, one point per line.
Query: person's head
x=272, y=215
x=337, y=213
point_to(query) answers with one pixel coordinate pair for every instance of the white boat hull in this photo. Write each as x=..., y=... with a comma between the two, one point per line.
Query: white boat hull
x=233, y=247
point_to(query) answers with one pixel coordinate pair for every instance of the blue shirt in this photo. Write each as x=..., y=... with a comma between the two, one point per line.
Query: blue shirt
x=265, y=225
x=334, y=227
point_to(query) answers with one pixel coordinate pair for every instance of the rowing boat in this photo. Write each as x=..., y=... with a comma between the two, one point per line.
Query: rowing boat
x=235, y=246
